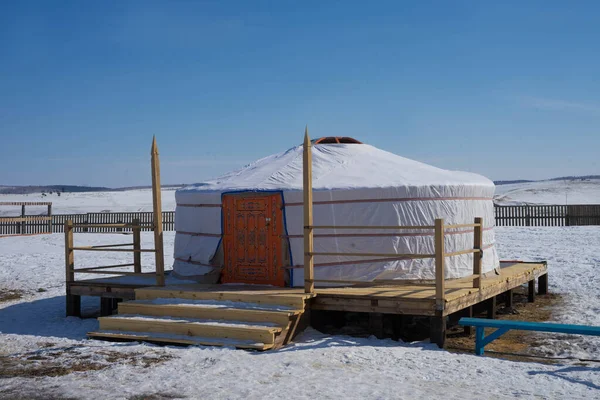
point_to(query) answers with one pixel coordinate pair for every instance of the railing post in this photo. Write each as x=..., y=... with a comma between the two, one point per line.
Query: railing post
x=69, y=256
x=478, y=257
x=137, y=241
x=440, y=257
x=157, y=211
x=73, y=302
x=309, y=284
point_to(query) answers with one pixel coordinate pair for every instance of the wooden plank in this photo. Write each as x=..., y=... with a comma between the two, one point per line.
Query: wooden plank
x=281, y=318
x=461, y=252
x=130, y=336
x=309, y=275
x=362, y=304
x=248, y=296
x=382, y=227
x=180, y=327
x=157, y=214
x=380, y=282
x=27, y=218
x=92, y=248
x=120, y=273
x=390, y=255
x=440, y=269
x=103, y=267
x=475, y=225
x=102, y=246
x=80, y=288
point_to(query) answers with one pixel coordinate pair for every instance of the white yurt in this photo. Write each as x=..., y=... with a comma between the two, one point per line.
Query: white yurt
x=247, y=226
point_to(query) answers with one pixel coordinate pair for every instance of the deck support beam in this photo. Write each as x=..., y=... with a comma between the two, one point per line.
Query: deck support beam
x=108, y=305
x=376, y=325
x=491, y=306
x=437, y=330
x=468, y=312
x=531, y=295
x=73, y=305
x=543, y=284
x=508, y=299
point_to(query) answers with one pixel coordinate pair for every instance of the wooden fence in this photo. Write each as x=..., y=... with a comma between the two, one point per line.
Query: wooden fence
x=531, y=215
x=25, y=224
x=80, y=221
x=550, y=215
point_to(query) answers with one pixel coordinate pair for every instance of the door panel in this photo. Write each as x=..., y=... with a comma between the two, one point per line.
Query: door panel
x=252, y=243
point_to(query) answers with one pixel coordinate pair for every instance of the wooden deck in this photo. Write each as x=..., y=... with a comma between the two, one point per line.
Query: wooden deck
x=410, y=299
x=420, y=300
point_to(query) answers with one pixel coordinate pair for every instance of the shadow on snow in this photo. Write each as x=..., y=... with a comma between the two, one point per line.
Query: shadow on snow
x=46, y=317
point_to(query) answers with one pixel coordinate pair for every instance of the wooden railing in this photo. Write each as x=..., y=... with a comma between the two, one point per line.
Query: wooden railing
x=26, y=224
x=136, y=249
x=439, y=255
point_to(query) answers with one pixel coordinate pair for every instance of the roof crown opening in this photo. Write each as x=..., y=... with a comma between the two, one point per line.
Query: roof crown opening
x=335, y=139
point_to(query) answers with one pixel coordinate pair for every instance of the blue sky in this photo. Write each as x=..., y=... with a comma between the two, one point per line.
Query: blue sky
x=507, y=89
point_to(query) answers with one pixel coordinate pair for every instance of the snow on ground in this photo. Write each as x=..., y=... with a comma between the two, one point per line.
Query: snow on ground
x=35, y=333
x=549, y=192
x=81, y=203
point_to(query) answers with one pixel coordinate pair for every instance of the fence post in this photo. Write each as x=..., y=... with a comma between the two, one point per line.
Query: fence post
x=477, y=257
x=137, y=240
x=21, y=226
x=440, y=257
x=309, y=284
x=50, y=218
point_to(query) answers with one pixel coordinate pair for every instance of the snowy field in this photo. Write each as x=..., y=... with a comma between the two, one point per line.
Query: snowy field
x=549, y=192
x=45, y=355
x=81, y=203
x=544, y=192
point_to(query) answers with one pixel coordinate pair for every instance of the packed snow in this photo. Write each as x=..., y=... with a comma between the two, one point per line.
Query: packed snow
x=35, y=333
x=573, y=191
x=85, y=202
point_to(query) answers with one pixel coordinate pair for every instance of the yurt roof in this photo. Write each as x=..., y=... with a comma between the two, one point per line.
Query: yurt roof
x=345, y=165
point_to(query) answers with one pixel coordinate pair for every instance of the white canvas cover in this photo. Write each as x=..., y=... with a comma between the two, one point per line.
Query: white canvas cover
x=354, y=184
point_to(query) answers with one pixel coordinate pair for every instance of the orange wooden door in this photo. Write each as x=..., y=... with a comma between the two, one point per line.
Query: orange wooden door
x=252, y=245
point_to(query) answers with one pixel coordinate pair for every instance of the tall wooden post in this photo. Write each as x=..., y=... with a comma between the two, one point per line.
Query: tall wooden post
x=477, y=257
x=137, y=245
x=157, y=209
x=440, y=261
x=309, y=284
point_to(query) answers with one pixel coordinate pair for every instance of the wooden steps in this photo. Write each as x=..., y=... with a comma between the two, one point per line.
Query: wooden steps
x=176, y=339
x=240, y=317
x=247, y=295
x=230, y=311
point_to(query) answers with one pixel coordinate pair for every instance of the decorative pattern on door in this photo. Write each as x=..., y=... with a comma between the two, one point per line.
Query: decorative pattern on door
x=252, y=245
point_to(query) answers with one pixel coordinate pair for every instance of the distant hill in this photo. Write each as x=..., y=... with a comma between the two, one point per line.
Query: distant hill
x=562, y=178
x=70, y=189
